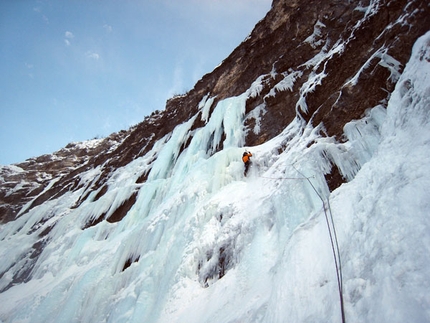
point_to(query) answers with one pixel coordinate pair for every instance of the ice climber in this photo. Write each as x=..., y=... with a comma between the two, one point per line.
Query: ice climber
x=246, y=160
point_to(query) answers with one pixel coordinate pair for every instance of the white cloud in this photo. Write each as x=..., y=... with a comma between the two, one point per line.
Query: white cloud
x=92, y=55
x=29, y=67
x=69, y=35
x=107, y=27
x=39, y=12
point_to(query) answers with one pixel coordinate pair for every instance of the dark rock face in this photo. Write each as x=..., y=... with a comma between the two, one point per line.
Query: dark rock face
x=29, y=181
x=322, y=61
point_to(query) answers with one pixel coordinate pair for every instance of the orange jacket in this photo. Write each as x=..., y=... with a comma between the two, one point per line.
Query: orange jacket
x=246, y=156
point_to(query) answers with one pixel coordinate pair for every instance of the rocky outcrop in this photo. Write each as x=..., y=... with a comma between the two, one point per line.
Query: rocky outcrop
x=325, y=62
x=38, y=179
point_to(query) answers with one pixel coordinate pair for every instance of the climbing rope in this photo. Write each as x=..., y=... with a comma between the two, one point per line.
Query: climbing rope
x=334, y=243
x=297, y=178
x=332, y=233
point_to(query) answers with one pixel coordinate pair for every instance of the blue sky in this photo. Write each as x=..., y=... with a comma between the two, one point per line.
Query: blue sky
x=75, y=70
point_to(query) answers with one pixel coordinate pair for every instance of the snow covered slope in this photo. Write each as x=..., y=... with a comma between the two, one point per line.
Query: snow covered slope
x=159, y=224
x=199, y=242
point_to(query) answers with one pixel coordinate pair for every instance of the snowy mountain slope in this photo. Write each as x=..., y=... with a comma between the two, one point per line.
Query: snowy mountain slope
x=164, y=227
x=331, y=59
x=204, y=244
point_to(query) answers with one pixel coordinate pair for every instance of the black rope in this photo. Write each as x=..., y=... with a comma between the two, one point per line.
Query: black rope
x=298, y=178
x=332, y=233
x=340, y=276
x=334, y=244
